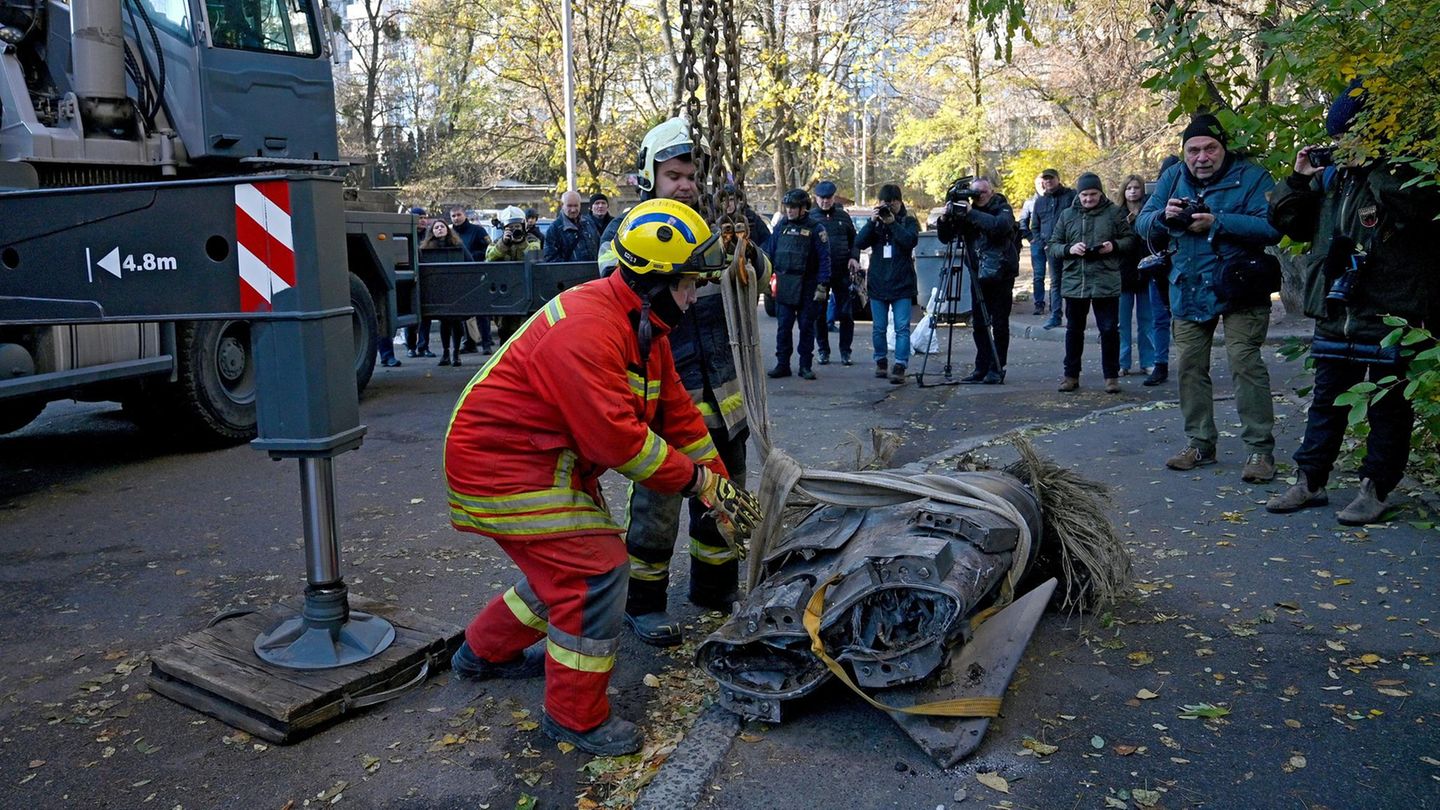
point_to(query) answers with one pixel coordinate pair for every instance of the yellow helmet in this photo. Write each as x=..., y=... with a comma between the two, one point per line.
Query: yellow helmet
x=666, y=238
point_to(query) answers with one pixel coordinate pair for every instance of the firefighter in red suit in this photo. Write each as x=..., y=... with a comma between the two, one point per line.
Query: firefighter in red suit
x=587, y=385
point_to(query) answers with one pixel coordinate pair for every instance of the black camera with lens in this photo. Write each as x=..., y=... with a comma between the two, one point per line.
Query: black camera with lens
x=1321, y=156
x=884, y=212
x=1189, y=207
x=1342, y=290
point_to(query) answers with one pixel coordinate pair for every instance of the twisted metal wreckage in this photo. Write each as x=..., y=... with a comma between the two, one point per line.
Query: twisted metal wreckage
x=903, y=583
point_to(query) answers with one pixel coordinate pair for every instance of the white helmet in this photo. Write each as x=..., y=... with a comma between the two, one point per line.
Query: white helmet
x=668, y=140
x=511, y=216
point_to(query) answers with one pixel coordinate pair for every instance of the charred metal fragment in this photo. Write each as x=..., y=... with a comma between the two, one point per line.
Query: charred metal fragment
x=906, y=580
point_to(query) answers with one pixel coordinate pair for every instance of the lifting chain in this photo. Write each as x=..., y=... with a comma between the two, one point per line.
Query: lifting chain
x=734, y=130
x=719, y=142
x=689, y=101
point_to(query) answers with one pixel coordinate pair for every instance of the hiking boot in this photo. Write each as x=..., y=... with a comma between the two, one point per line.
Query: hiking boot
x=823, y=358
x=1112, y=386
x=1366, y=508
x=897, y=374
x=455, y=361
x=1189, y=459
x=845, y=358
x=1259, y=468
x=1039, y=309
x=807, y=373
x=973, y=378
x=1053, y=323
x=994, y=378
x=1068, y=384
x=777, y=372
x=1297, y=497
x=656, y=629
x=468, y=666
x=444, y=358
x=390, y=362
x=881, y=370
x=1159, y=375
x=612, y=738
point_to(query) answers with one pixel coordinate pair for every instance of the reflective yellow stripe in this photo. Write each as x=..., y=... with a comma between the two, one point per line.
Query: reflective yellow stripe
x=554, y=311
x=557, y=498
x=608, y=258
x=536, y=524
x=728, y=405
x=702, y=450
x=641, y=387
x=564, y=469
x=646, y=462
x=579, y=661
x=714, y=555
x=523, y=612
x=648, y=571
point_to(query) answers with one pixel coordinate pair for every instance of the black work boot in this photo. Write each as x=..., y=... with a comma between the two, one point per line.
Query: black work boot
x=612, y=738
x=645, y=614
x=468, y=666
x=1159, y=375
x=714, y=586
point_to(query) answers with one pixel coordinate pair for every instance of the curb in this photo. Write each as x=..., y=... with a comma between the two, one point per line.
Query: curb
x=687, y=771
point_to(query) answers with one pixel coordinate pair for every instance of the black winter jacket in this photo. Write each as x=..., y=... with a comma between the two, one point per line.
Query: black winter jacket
x=1348, y=210
x=992, y=240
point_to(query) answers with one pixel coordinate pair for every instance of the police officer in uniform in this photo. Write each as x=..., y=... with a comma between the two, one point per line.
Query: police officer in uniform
x=844, y=261
x=800, y=249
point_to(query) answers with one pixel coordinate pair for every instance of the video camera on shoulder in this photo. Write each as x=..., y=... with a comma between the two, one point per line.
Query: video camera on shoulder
x=960, y=196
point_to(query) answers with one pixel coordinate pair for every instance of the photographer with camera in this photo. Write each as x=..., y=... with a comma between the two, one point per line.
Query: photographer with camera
x=891, y=234
x=800, y=248
x=1091, y=240
x=1211, y=206
x=983, y=216
x=515, y=241
x=1372, y=254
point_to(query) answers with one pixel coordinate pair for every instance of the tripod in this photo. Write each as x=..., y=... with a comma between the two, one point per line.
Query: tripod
x=950, y=290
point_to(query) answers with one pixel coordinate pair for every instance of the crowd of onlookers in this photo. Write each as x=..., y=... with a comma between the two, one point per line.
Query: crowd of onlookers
x=1170, y=264
x=573, y=236
x=1165, y=262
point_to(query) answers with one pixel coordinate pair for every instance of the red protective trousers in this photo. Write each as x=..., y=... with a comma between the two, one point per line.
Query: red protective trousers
x=573, y=595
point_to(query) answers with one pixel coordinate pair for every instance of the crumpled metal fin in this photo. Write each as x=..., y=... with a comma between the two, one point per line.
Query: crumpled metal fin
x=981, y=668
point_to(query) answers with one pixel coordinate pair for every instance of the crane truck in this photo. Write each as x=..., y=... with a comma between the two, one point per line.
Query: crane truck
x=108, y=92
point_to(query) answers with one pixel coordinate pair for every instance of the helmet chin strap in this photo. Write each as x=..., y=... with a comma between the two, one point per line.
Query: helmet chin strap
x=654, y=297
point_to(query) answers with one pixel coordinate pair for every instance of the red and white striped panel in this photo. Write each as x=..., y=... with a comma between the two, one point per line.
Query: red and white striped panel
x=264, y=243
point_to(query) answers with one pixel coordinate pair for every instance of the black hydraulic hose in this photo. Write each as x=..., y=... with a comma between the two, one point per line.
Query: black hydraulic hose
x=157, y=75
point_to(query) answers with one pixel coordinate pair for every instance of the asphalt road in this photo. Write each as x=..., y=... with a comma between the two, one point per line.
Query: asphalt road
x=112, y=549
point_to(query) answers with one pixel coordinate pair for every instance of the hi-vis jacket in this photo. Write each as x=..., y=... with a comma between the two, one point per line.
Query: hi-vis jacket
x=564, y=400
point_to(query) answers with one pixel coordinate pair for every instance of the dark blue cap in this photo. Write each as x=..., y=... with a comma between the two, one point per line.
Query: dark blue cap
x=1345, y=107
x=418, y=211
x=824, y=188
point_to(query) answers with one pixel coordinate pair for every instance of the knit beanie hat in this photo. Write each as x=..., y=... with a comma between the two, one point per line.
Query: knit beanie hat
x=1206, y=125
x=1345, y=107
x=1088, y=181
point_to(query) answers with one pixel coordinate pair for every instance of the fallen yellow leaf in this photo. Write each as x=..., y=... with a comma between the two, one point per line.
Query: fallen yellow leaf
x=994, y=781
x=1146, y=694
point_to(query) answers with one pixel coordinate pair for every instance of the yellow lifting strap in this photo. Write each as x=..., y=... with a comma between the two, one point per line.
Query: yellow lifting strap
x=958, y=707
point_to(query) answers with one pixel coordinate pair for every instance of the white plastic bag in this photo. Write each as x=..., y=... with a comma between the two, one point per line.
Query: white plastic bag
x=923, y=339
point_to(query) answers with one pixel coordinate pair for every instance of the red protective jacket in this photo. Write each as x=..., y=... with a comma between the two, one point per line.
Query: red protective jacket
x=562, y=402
